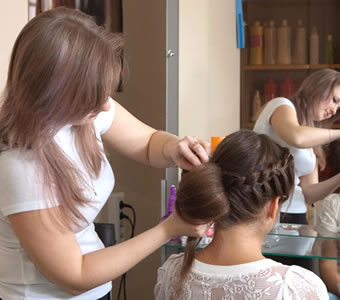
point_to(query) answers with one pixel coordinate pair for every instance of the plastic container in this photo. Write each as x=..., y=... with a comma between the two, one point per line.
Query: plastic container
x=171, y=202
x=329, y=50
x=270, y=90
x=314, y=45
x=284, y=56
x=256, y=44
x=270, y=44
x=257, y=104
x=300, y=45
x=287, y=88
x=215, y=140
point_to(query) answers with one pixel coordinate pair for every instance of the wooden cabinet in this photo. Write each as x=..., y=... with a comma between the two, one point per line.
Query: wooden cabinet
x=321, y=14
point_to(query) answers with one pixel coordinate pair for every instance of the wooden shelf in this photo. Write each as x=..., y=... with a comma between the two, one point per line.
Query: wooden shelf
x=289, y=67
x=250, y=125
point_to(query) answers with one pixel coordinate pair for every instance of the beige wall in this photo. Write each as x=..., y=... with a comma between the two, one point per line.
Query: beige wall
x=13, y=16
x=144, y=96
x=209, y=69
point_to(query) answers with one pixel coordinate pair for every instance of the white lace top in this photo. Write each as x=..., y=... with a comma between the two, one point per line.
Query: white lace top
x=264, y=279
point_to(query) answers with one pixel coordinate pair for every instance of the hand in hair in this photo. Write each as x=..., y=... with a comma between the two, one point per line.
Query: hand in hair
x=178, y=227
x=188, y=153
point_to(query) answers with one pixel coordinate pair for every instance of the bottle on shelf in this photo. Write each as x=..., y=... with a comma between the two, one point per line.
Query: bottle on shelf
x=300, y=47
x=284, y=56
x=329, y=50
x=287, y=88
x=270, y=43
x=270, y=90
x=314, y=47
x=257, y=105
x=256, y=44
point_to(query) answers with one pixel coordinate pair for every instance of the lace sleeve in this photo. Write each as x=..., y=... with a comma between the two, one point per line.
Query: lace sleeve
x=328, y=223
x=167, y=277
x=303, y=284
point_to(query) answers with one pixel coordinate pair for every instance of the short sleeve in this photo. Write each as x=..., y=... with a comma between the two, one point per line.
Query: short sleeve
x=328, y=217
x=20, y=191
x=303, y=284
x=105, y=118
x=275, y=103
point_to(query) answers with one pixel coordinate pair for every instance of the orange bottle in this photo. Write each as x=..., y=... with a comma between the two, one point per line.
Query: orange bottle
x=215, y=140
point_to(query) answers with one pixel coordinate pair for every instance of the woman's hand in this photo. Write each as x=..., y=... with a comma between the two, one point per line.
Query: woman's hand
x=188, y=152
x=175, y=227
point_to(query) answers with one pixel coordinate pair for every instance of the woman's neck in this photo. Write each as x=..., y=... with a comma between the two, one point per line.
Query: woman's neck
x=237, y=245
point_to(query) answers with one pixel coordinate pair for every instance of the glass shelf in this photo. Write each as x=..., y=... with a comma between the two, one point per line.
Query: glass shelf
x=290, y=240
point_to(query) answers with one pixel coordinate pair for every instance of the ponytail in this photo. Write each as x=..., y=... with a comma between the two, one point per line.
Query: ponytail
x=200, y=199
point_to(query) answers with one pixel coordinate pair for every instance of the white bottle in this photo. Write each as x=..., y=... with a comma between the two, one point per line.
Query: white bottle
x=314, y=47
x=284, y=56
x=300, y=46
x=257, y=104
x=270, y=44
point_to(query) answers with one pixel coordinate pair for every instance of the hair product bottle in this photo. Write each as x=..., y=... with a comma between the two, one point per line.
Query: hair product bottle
x=314, y=47
x=270, y=90
x=287, y=88
x=270, y=44
x=329, y=50
x=300, y=47
x=256, y=44
x=215, y=140
x=257, y=104
x=284, y=56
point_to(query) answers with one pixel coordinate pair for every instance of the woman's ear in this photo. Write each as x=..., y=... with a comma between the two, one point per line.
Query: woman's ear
x=273, y=208
x=272, y=213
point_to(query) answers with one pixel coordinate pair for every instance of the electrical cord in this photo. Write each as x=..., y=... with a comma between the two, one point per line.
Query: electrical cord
x=122, y=216
x=122, y=205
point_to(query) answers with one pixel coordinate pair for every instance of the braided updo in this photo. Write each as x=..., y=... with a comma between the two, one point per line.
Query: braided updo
x=246, y=172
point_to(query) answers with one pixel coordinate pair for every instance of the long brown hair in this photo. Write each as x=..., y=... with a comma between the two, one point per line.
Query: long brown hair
x=63, y=67
x=313, y=90
x=246, y=172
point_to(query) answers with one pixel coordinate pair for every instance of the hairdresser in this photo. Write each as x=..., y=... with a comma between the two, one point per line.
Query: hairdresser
x=303, y=124
x=55, y=116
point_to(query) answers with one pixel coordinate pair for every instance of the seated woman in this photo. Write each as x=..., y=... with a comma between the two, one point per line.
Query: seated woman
x=241, y=190
x=328, y=225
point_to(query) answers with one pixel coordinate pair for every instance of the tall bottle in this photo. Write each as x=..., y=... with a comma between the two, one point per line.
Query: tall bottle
x=256, y=44
x=300, y=46
x=270, y=44
x=314, y=47
x=287, y=88
x=257, y=104
x=171, y=202
x=284, y=56
x=270, y=90
x=329, y=50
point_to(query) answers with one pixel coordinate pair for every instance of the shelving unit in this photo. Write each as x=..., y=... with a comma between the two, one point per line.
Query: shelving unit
x=320, y=13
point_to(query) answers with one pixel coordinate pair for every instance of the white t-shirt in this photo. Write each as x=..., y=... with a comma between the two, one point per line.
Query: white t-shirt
x=20, y=192
x=304, y=159
x=264, y=279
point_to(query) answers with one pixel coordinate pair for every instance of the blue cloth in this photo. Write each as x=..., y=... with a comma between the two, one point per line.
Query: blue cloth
x=333, y=297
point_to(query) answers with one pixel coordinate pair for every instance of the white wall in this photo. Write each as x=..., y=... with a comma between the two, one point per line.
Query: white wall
x=13, y=16
x=209, y=69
